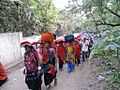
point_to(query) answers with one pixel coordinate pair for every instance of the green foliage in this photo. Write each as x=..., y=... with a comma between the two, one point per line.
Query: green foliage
x=45, y=12
x=108, y=50
x=26, y=15
x=95, y=15
x=13, y=17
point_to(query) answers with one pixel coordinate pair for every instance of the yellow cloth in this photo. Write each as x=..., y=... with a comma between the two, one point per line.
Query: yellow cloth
x=70, y=54
x=70, y=49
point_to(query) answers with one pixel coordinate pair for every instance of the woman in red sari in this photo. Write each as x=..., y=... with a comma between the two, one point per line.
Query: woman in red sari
x=77, y=52
x=61, y=54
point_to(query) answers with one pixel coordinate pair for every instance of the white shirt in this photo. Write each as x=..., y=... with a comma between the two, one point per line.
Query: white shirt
x=85, y=46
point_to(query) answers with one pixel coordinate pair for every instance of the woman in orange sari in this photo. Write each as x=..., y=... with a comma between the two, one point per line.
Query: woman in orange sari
x=3, y=75
x=48, y=58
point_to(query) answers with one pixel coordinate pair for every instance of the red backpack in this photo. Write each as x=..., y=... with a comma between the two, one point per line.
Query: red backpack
x=52, y=70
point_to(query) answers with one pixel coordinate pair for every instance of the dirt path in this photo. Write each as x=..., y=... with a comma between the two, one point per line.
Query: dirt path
x=83, y=78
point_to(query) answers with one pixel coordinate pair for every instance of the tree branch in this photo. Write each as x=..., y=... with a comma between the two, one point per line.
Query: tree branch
x=95, y=22
x=112, y=12
x=109, y=24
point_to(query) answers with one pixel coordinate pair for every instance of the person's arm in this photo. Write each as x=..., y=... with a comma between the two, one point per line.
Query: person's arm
x=40, y=59
x=24, y=68
x=56, y=59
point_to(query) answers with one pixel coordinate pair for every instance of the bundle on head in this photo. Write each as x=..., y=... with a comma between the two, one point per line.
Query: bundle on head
x=69, y=38
x=47, y=37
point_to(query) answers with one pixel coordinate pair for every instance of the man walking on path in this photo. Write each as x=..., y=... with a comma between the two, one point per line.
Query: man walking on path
x=85, y=45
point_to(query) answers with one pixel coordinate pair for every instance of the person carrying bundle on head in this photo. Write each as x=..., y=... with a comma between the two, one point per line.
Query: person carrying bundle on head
x=61, y=54
x=70, y=53
x=49, y=57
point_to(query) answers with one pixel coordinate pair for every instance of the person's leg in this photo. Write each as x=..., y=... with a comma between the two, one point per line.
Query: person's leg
x=46, y=80
x=55, y=81
x=73, y=67
x=86, y=55
x=32, y=83
x=78, y=61
x=54, y=62
x=40, y=82
x=60, y=66
x=83, y=56
x=75, y=60
x=28, y=82
x=35, y=85
x=89, y=52
x=69, y=66
x=80, y=58
x=2, y=82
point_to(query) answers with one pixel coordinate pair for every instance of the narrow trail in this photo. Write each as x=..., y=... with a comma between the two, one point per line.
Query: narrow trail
x=83, y=78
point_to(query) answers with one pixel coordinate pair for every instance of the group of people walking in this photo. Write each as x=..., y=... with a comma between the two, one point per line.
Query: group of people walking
x=42, y=61
x=73, y=52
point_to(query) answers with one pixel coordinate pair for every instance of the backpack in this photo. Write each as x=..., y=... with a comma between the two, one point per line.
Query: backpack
x=52, y=70
x=31, y=62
